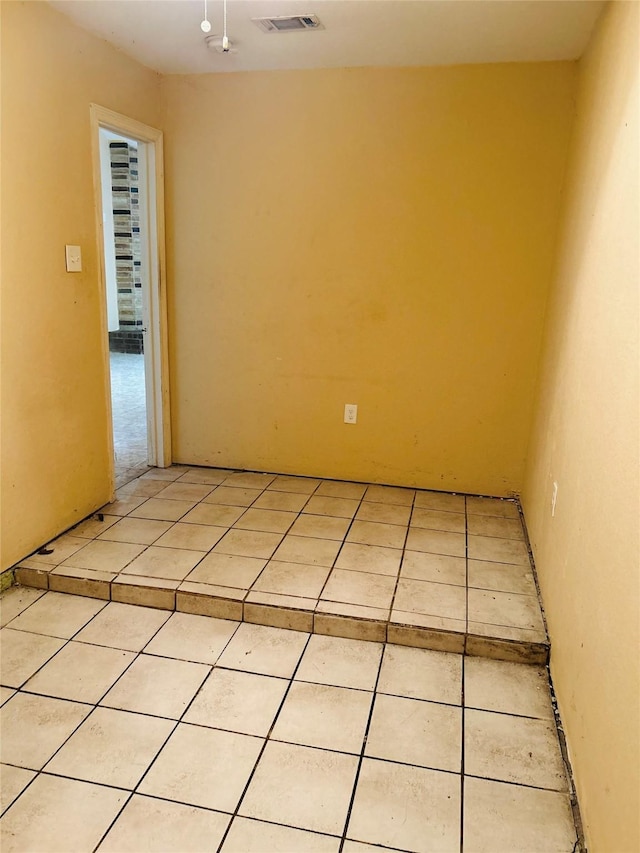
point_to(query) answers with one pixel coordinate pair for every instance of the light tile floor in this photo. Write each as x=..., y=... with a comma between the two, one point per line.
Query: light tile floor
x=414, y=567
x=129, y=413
x=136, y=729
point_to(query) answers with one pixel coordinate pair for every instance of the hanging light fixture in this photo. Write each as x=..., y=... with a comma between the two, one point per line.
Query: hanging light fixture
x=221, y=45
x=205, y=26
x=225, y=41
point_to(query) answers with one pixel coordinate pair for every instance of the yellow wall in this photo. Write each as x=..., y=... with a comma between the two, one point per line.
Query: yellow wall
x=374, y=236
x=54, y=434
x=586, y=439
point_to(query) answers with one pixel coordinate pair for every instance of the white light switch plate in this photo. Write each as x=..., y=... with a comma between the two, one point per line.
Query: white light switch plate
x=73, y=257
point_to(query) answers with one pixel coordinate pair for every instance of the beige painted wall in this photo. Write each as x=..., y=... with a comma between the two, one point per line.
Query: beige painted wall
x=586, y=439
x=54, y=432
x=374, y=236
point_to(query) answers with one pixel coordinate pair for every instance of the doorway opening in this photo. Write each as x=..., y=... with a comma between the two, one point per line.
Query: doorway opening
x=128, y=184
x=126, y=313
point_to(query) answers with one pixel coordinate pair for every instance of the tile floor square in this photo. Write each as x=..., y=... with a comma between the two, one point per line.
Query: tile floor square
x=384, y=513
x=441, y=501
x=59, y=814
x=137, y=531
x=184, y=491
x=94, y=526
x=369, y=558
x=321, y=526
x=13, y=781
x=491, y=506
x=304, y=549
x=80, y=672
x=292, y=579
x=436, y=542
x=123, y=626
x=60, y=549
x=249, y=543
x=34, y=727
x=205, y=476
x=340, y=662
x=412, y=731
x=23, y=654
x=421, y=674
x=389, y=495
x=337, y=507
x=203, y=767
x=159, y=826
x=513, y=749
x=406, y=808
x=504, y=577
x=104, y=556
x=437, y=568
x=360, y=588
x=58, y=616
x=431, y=519
x=238, y=702
x=162, y=509
x=504, y=608
x=434, y=599
x=195, y=537
x=511, y=688
x=285, y=501
x=376, y=533
x=501, y=818
x=235, y=497
x=340, y=489
x=303, y=787
x=16, y=600
x=111, y=748
x=248, y=479
x=266, y=520
x=498, y=550
x=333, y=718
x=503, y=528
x=213, y=514
x=169, y=563
x=200, y=639
x=265, y=651
x=227, y=570
x=163, y=687
x=299, y=485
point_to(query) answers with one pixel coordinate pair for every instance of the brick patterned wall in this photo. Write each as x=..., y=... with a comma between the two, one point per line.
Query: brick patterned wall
x=126, y=220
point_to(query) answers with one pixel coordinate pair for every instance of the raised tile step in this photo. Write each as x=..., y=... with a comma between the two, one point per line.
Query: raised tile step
x=419, y=568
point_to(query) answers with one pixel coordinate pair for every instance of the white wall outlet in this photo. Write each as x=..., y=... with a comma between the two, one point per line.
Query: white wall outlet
x=350, y=413
x=554, y=498
x=73, y=257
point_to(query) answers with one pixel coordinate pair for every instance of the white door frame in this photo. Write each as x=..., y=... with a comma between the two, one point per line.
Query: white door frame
x=150, y=140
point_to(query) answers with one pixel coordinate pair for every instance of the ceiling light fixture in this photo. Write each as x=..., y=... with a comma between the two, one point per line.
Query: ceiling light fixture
x=220, y=44
x=225, y=40
x=205, y=26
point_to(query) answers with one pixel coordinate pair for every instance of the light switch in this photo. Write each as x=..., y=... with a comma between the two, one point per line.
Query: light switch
x=73, y=257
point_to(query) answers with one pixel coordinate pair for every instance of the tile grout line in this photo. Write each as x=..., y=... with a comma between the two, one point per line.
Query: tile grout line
x=402, y=556
x=266, y=740
x=362, y=750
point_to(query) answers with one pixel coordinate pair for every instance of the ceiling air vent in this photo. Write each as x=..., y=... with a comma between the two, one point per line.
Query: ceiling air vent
x=288, y=23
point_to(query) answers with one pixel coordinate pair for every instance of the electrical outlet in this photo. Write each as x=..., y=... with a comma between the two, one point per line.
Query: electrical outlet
x=73, y=258
x=350, y=413
x=554, y=498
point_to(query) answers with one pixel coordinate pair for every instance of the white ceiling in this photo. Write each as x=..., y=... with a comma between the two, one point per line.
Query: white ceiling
x=165, y=34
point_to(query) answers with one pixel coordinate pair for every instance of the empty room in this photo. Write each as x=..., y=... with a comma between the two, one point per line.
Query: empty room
x=320, y=481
